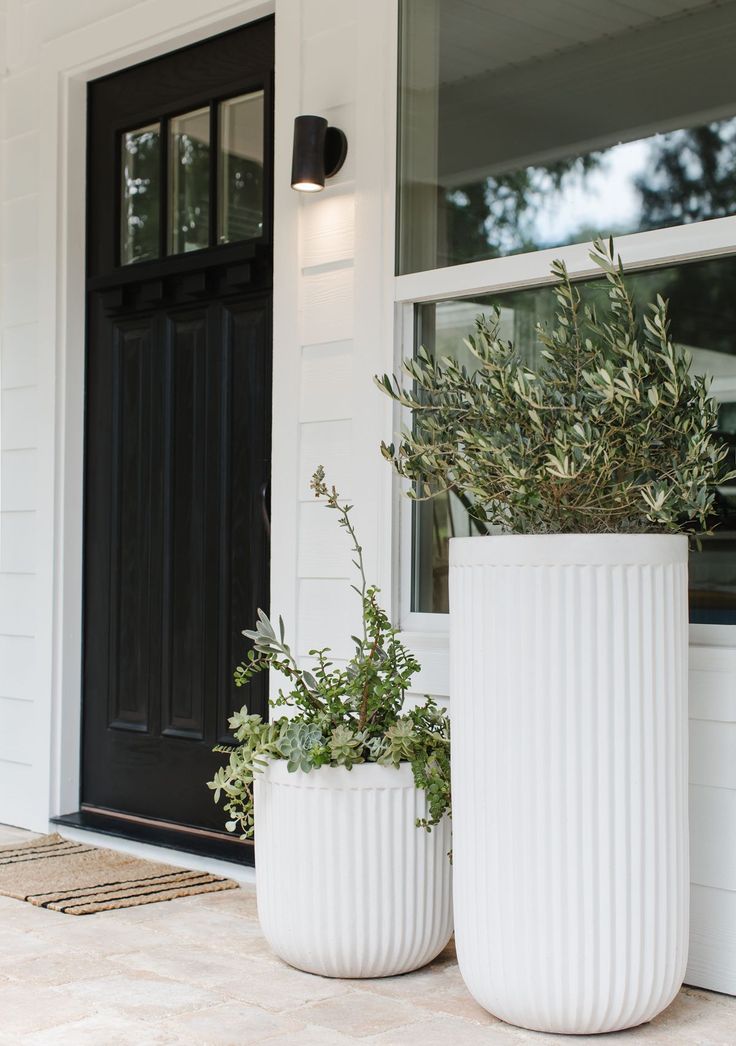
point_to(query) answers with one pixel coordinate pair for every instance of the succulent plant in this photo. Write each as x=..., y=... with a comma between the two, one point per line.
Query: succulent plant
x=342, y=715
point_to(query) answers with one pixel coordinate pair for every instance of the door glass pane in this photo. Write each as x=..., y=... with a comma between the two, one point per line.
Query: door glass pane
x=241, y=168
x=140, y=194
x=702, y=299
x=189, y=181
x=546, y=126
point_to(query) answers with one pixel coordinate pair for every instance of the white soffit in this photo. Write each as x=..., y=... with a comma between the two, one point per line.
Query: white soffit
x=480, y=36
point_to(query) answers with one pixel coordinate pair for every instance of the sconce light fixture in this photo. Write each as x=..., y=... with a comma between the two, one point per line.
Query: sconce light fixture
x=319, y=153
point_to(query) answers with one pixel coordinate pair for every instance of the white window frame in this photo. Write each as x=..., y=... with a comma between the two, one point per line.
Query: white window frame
x=427, y=633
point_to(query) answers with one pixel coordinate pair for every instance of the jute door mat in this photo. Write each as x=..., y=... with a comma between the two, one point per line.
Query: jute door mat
x=78, y=879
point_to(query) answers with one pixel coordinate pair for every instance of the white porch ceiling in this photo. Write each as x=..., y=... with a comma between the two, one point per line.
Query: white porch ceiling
x=480, y=36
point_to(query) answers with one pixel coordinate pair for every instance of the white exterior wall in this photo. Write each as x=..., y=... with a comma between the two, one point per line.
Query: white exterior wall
x=337, y=319
x=26, y=453
x=712, y=959
x=332, y=329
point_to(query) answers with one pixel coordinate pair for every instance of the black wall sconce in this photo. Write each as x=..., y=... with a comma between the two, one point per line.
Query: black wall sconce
x=319, y=153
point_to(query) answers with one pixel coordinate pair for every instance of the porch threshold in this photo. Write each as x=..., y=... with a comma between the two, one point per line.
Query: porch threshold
x=237, y=856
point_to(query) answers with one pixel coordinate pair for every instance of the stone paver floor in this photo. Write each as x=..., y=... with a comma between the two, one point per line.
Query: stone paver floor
x=197, y=971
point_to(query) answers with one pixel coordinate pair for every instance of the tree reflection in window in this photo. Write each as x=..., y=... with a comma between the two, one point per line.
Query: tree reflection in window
x=189, y=181
x=241, y=168
x=668, y=179
x=141, y=198
x=515, y=138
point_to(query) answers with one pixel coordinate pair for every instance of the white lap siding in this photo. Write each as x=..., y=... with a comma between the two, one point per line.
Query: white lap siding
x=24, y=501
x=713, y=818
x=333, y=327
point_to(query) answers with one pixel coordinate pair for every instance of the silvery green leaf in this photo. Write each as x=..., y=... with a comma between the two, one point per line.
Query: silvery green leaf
x=310, y=680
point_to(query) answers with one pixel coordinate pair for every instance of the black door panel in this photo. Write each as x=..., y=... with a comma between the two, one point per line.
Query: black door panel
x=177, y=459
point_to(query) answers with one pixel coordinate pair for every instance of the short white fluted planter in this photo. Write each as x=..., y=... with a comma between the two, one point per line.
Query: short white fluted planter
x=569, y=774
x=347, y=885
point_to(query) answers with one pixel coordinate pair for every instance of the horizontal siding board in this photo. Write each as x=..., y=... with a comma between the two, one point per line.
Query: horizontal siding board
x=18, y=604
x=23, y=33
x=433, y=677
x=17, y=731
x=326, y=443
x=18, y=354
x=712, y=658
x=326, y=385
x=18, y=470
x=712, y=956
x=66, y=17
x=319, y=15
x=17, y=667
x=19, y=418
x=20, y=229
x=21, y=165
x=329, y=68
x=713, y=836
x=18, y=549
x=712, y=694
x=713, y=755
x=328, y=614
x=21, y=102
x=324, y=547
x=327, y=225
x=19, y=291
x=327, y=310
x=20, y=800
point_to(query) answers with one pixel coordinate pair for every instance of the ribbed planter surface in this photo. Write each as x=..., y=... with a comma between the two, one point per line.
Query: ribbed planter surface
x=348, y=886
x=569, y=773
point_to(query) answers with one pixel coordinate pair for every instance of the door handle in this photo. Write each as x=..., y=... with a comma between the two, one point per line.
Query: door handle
x=264, y=508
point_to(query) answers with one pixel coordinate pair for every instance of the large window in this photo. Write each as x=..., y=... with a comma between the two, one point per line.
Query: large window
x=703, y=313
x=534, y=125
x=530, y=130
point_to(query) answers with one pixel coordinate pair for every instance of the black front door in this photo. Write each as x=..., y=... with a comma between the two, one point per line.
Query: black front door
x=177, y=465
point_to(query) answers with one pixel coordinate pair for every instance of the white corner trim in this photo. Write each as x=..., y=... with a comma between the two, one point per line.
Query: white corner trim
x=286, y=315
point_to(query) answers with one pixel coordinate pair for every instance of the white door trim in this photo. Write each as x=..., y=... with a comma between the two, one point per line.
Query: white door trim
x=144, y=31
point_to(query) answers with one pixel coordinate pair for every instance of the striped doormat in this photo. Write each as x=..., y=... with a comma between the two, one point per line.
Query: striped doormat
x=78, y=879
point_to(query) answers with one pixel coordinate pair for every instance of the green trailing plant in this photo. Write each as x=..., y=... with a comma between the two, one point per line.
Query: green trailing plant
x=340, y=715
x=611, y=433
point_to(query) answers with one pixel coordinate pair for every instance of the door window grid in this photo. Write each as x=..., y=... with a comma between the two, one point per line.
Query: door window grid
x=188, y=219
x=140, y=151
x=240, y=191
x=178, y=194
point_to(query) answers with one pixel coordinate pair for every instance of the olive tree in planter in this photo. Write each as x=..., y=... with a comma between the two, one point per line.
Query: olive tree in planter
x=568, y=651
x=351, y=795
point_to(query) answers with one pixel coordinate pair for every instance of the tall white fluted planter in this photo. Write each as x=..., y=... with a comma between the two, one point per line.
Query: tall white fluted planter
x=347, y=885
x=569, y=775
